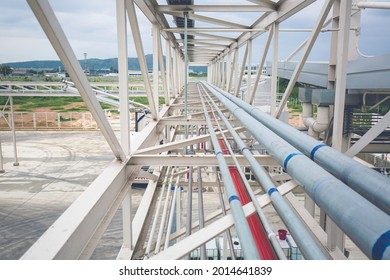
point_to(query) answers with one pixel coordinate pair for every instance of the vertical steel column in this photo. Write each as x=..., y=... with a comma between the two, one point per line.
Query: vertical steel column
x=162, y=70
x=11, y=103
x=232, y=71
x=169, y=70
x=156, y=37
x=249, y=73
x=203, y=255
x=228, y=71
x=172, y=212
x=123, y=75
x=274, y=81
x=209, y=67
x=261, y=65
x=335, y=235
x=235, y=69
x=238, y=85
x=189, y=205
x=141, y=56
x=186, y=73
x=223, y=84
x=1, y=158
x=309, y=45
x=124, y=114
x=60, y=43
x=157, y=214
x=164, y=214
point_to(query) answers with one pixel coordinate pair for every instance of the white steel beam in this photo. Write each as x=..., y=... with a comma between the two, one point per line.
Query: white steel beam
x=124, y=111
x=123, y=75
x=49, y=23
x=162, y=69
x=141, y=56
x=169, y=70
x=249, y=71
x=310, y=43
x=261, y=65
x=71, y=235
x=275, y=55
x=213, y=29
x=373, y=5
x=370, y=135
x=214, y=8
x=238, y=85
x=341, y=73
x=155, y=35
x=202, y=18
x=264, y=200
x=179, y=143
x=267, y=3
x=212, y=230
x=195, y=160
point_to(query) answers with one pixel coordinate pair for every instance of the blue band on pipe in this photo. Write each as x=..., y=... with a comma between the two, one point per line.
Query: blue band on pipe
x=233, y=197
x=271, y=190
x=319, y=146
x=287, y=159
x=245, y=148
x=381, y=245
x=218, y=153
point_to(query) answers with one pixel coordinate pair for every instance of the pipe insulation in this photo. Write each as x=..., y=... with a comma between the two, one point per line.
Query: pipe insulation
x=369, y=183
x=307, y=243
x=363, y=222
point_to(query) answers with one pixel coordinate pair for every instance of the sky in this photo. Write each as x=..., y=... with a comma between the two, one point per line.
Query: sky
x=90, y=26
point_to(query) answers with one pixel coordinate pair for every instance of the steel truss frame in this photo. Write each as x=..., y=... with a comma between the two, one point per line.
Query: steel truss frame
x=77, y=232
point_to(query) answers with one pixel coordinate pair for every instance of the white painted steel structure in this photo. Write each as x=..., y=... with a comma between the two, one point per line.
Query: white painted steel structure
x=177, y=139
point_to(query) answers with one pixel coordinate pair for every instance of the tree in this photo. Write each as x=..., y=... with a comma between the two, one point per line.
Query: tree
x=6, y=70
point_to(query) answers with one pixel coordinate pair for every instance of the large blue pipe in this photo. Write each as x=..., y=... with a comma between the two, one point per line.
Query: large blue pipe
x=363, y=222
x=372, y=185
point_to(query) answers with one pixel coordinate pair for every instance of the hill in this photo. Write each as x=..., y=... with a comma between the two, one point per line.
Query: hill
x=92, y=64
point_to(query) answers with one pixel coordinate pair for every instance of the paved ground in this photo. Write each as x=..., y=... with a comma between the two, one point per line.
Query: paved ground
x=55, y=168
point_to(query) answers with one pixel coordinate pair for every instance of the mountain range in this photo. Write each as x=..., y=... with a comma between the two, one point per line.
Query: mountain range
x=92, y=64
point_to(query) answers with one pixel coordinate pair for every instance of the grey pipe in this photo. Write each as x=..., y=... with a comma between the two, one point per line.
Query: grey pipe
x=363, y=222
x=270, y=233
x=242, y=227
x=203, y=255
x=308, y=245
x=223, y=208
x=189, y=206
x=369, y=183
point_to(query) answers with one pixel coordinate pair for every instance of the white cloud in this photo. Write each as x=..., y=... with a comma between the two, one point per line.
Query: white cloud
x=90, y=26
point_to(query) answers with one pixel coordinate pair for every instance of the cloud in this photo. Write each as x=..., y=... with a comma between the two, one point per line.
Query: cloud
x=90, y=26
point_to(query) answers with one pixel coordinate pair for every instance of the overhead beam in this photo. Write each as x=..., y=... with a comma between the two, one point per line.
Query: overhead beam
x=209, y=20
x=52, y=28
x=214, y=8
x=195, y=160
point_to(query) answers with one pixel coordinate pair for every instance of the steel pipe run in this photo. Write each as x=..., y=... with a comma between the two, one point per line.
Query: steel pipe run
x=265, y=251
x=244, y=234
x=164, y=215
x=307, y=243
x=256, y=225
x=260, y=237
x=363, y=222
x=369, y=183
x=223, y=208
x=157, y=214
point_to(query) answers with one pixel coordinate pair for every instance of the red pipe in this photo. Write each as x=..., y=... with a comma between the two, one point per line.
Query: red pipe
x=260, y=236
